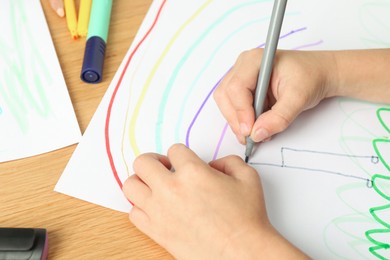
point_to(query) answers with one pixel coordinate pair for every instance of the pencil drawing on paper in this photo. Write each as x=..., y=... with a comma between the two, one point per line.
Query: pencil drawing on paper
x=302, y=160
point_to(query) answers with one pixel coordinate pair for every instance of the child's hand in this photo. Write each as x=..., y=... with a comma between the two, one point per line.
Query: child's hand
x=298, y=82
x=200, y=210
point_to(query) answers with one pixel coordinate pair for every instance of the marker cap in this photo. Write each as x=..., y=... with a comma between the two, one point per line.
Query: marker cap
x=23, y=243
x=92, y=69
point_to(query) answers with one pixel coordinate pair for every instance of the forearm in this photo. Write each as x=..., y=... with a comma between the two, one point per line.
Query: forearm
x=361, y=74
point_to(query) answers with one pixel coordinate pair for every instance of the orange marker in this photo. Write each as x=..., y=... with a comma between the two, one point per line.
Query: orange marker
x=71, y=17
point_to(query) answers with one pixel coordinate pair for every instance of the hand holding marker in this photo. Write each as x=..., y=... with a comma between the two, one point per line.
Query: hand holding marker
x=99, y=21
x=267, y=61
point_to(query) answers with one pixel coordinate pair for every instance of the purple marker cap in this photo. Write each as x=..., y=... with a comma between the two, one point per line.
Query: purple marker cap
x=92, y=70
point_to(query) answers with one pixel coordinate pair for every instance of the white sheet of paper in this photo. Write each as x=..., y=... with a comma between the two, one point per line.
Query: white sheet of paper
x=316, y=175
x=36, y=113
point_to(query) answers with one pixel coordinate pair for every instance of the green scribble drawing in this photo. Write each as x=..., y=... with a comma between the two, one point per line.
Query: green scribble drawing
x=381, y=184
x=377, y=30
x=25, y=74
x=365, y=244
x=386, y=127
x=341, y=224
x=345, y=140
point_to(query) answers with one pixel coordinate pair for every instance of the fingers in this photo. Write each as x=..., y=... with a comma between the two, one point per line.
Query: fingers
x=140, y=219
x=180, y=156
x=234, y=166
x=290, y=93
x=234, y=95
x=278, y=118
x=136, y=191
x=229, y=113
x=152, y=168
x=58, y=7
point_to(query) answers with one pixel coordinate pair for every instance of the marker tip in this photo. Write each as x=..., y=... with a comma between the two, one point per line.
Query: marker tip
x=246, y=159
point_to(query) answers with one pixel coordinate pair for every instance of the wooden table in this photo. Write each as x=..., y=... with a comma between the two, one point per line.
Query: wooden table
x=77, y=229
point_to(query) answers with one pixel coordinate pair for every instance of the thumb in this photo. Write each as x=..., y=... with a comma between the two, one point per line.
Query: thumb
x=276, y=120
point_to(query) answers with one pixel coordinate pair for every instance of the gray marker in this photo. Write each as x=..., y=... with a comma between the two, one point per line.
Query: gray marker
x=266, y=64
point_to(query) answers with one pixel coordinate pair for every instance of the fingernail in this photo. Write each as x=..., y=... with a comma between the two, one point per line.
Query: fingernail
x=267, y=139
x=260, y=135
x=60, y=12
x=244, y=129
x=241, y=139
